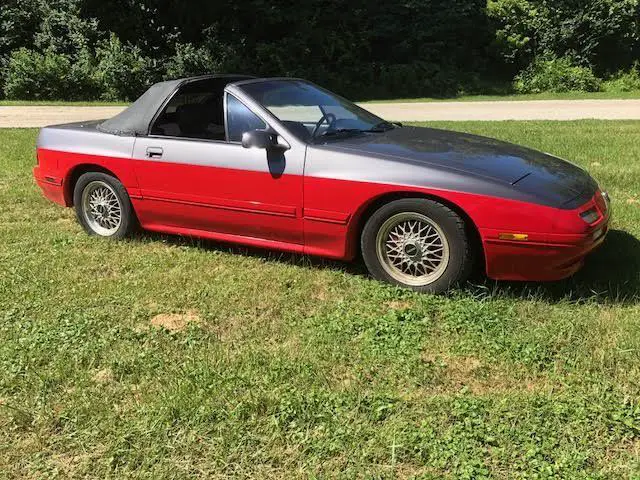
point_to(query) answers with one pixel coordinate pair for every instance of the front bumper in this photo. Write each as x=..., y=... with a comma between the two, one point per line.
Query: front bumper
x=544, y=256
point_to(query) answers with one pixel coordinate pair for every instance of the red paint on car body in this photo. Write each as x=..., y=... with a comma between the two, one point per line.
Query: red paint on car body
x=322, y=216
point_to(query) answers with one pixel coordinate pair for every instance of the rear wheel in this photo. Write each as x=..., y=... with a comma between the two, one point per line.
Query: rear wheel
x=103, y=206
x=418, y=244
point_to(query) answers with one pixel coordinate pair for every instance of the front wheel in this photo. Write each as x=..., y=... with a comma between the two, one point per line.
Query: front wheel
x=103, y=206
x=418, y=244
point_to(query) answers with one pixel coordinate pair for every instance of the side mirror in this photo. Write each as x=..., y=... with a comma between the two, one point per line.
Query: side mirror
x=260, y=139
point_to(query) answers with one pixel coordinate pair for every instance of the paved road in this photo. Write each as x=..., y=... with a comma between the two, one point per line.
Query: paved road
x=510, y=110
x=506, y=110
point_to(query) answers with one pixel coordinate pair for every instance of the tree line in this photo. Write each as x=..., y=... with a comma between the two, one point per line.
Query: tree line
x=114, y=49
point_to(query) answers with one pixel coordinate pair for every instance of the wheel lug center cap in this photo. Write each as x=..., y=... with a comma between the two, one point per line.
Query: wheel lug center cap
x=413, y=251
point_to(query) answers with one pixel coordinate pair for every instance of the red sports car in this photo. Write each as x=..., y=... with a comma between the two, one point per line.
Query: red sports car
x=282, y=163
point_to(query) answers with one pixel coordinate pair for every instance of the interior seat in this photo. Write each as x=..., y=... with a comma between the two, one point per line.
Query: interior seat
x=193, y=121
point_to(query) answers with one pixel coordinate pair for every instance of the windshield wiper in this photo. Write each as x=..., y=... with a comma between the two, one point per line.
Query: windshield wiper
x=340, y=131
x=378, y=128
x=381, y=127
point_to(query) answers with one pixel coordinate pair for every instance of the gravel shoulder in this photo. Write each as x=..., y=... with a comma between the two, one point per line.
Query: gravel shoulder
x=39, y=116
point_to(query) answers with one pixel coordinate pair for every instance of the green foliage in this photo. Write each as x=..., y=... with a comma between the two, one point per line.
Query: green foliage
x=18, y=22
x=370, y=50
x=622, y=81
x=603, y=34
x=63, y=30
x=46, y=50
x=516, y=23
x=190, y=60
x=122, y=71
x=556, y=75
x=33, y=76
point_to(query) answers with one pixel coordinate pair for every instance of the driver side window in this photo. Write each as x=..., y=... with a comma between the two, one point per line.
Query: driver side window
x=240, y=119
x=192, y=114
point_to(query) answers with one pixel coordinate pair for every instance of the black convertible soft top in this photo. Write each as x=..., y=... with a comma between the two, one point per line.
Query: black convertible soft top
x=135, y=120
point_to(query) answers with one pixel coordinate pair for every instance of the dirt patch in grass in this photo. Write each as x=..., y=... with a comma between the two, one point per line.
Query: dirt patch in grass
x=399, y=304
x=230, y=329
x=320, y=291
x=478, y=377
x=619, y=458
x=65, y=221
x=176, y=322
x=69, y=463
x=103, y=376
x=15, y=463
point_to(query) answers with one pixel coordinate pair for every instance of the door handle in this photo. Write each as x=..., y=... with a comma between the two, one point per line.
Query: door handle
x=154, y=152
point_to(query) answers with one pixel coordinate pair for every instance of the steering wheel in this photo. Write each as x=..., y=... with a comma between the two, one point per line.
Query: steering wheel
x=330, y=118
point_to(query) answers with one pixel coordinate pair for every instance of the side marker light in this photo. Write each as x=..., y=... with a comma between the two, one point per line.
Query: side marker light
x=519, y=237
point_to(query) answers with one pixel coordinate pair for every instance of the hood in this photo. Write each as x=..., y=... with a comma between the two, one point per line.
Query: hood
x=555, y=181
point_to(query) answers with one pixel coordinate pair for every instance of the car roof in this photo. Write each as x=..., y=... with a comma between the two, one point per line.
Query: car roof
x=135, y=119
x=268, y=79
x=213, y=76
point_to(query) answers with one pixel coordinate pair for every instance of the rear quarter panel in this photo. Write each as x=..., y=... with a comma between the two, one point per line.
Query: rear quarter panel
x=65, y=148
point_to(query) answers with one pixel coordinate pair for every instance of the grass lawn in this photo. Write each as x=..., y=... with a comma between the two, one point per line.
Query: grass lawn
x=276, y=366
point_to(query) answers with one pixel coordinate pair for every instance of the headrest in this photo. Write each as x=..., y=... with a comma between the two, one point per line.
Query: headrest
x=192, y=119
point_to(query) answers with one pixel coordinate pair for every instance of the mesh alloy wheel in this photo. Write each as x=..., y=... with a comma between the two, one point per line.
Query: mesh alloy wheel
x=101, y=208
x=412, y=249
x=417, y=243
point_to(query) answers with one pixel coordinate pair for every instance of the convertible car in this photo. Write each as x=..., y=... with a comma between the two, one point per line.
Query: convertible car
x=284, y=164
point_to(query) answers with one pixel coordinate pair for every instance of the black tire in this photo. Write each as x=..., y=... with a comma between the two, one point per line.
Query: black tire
x=447, y=225
x=127, y=221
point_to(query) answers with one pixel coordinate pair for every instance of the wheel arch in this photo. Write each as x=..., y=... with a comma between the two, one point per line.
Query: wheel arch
x=363, y=214
x=75, y=173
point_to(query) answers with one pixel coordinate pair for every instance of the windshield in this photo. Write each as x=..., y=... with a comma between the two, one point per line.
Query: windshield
x=311, y=112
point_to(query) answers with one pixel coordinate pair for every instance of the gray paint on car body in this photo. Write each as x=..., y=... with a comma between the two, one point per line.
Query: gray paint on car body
x=411, y=156
x=83, y=138
x=455, y=161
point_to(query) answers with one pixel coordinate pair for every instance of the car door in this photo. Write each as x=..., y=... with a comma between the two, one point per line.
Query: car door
x=201, y=185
